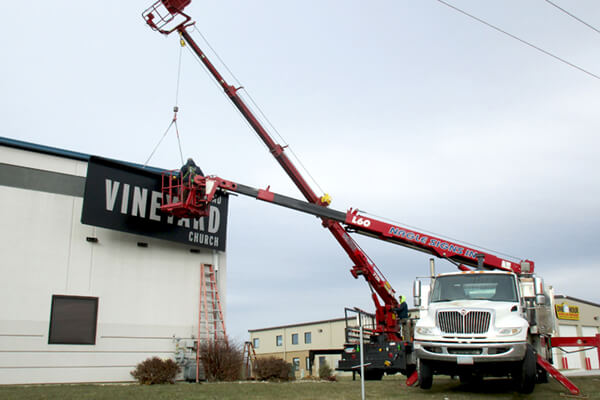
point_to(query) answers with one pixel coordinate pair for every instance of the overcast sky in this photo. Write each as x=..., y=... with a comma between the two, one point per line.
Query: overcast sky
x=405, y=109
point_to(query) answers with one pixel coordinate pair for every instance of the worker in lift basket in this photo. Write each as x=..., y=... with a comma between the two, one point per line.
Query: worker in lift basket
x=402, y=314
x=188, y=172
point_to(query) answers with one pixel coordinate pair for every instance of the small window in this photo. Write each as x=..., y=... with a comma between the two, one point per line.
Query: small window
x=308, y=363
x=255, y=343
x=307, y=337
x=279, y=340
x=294, y=338
x=296, y=362
x=73, y=320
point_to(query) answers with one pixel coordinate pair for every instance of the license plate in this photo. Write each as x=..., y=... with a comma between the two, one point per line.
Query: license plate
x=464, y=360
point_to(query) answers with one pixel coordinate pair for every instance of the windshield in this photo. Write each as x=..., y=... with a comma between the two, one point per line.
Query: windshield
x=493, y=287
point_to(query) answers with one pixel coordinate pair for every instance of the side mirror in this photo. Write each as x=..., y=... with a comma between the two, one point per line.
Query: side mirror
x=538, y=288
x=417, y=293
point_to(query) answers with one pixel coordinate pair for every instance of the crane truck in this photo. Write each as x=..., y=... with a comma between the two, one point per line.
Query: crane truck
x=494, y=317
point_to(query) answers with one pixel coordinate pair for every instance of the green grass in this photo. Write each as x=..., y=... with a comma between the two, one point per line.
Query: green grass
x=389, y=388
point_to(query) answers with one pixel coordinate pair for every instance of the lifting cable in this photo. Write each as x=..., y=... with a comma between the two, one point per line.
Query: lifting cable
x=250, y=102
x=175, y=109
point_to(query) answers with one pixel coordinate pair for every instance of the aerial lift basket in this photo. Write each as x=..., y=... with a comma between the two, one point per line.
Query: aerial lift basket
x=181, y=197
x=190, y=196
x=165, y=16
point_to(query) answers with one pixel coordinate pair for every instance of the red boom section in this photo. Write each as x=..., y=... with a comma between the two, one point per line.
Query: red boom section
x=433, y=245
x=385, y=317
x=363, y=266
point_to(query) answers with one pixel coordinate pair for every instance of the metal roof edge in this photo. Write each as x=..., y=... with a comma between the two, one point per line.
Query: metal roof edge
x=55, y=151
x=311, y=323
x=39, y=148
x=298, y=325
x=560, y=296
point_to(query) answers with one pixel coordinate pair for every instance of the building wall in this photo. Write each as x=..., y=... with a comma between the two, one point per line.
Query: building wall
x=147, y=296
x=586, y=324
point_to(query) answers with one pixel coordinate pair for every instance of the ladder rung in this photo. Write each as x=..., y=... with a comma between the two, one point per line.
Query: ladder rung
x=211, y=324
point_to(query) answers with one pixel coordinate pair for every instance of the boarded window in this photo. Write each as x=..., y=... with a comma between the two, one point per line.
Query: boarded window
x=73, y=320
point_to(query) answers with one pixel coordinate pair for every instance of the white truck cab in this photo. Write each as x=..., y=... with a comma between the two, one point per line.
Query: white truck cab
x=483, y=323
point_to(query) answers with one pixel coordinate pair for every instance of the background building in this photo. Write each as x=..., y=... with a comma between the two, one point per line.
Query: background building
x=83, y=302
x=576, y=317
x=293, y=343
x=308, y=345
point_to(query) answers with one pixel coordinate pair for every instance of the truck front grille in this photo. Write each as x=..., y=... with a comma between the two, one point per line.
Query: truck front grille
x=464, y=322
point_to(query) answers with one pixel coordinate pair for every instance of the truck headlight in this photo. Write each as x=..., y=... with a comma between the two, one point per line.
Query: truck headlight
x=509, y=331
x=423, y=330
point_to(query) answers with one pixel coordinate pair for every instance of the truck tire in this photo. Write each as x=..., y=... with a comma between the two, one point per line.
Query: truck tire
x=425, y=375
x=525, y=374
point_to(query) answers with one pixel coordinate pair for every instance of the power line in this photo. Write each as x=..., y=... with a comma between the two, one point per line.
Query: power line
x=520, y=40
x=572, y=16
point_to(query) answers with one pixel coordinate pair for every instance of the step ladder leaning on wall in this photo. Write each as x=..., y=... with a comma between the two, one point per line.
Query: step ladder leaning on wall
x=211, y=325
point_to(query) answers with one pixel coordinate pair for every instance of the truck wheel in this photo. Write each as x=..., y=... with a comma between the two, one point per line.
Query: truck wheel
x=425, y=375
x=525, y=374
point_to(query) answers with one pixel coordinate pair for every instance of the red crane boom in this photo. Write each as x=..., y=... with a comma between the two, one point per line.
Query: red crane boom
x=163, y=14
x=167, y=16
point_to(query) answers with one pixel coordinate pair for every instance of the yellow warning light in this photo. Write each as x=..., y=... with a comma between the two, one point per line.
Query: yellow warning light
x=326, y=199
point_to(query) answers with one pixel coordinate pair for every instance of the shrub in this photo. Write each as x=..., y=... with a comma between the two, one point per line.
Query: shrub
x=155, y=370
x=325, y=371
x=272, y=368
x=222, y=360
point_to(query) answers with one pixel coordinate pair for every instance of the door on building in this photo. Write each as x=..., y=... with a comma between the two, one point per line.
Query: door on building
x=591, y=355
x=571, y=360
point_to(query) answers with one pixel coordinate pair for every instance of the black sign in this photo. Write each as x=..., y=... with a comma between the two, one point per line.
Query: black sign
x=127, y=198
